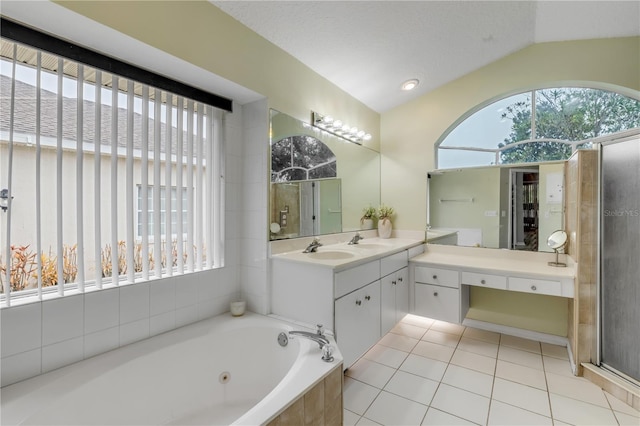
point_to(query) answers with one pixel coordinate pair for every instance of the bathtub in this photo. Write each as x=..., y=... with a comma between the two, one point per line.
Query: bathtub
x=220, y=371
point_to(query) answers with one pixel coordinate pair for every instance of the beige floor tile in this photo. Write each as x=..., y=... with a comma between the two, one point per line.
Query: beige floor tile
x=386, y=356
x=522, y=396
x=409, y=330
x=521, y=374
x=358, y=396
x=436, y=417
x=620, y=406
x=390, y=409
x=517, y=356
x=397, y=341
x=418, y=321
x=461, y=403
x=441, y=338
x=520, y=343
x=508, y=415
x=484, y=335
x=626, y=420
x=576, y=412
x=371, y=373
x=433, y=351
x=555, y=351
x=424, y=367
x=469, y=380
x=473, y=361
x=367, y=422
x=557, y=366
x=577, y=388
x=412, y=387
x=349, y=418
x=478, y=347
x=448, y=327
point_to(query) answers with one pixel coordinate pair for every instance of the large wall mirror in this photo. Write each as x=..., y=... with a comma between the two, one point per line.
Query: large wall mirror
x=319, y=182
x=506, y=207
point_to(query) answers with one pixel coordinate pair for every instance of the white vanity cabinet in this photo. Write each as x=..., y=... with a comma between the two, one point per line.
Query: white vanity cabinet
x=359, y=303
x=357, y=321
x=438, y=293
x=394, y=297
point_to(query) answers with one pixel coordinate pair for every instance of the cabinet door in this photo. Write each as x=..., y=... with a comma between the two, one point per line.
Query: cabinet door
x=441, y=303
x=358, y=322
x=388, y=287
x=402, y=293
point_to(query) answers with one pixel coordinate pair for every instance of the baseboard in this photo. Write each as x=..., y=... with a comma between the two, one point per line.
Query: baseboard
x=519, y=332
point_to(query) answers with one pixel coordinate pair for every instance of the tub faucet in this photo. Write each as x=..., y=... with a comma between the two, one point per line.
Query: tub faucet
x=356, y=238
x=313, y=247
x=317, y=337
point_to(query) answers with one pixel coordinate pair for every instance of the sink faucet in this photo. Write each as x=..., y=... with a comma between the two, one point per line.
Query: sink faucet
x=356, y=238
x=313, y=247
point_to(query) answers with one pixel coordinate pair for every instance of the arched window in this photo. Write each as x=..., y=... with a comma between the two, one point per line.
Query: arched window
x=537, y=126
x=301, y=157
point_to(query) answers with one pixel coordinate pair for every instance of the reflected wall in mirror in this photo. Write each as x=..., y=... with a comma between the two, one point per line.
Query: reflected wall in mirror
x=514, y=207
x=319, y=182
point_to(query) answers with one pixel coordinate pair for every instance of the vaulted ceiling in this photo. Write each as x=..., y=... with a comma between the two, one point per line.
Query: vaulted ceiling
x=369, y=48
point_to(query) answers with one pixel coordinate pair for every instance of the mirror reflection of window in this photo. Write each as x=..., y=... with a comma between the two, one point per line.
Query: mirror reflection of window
x=302, y=157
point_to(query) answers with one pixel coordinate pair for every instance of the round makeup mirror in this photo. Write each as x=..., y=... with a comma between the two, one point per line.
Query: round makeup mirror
x=557, y=240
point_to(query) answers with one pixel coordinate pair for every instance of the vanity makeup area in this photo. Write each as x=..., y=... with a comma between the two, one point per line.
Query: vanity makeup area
x=478, y=237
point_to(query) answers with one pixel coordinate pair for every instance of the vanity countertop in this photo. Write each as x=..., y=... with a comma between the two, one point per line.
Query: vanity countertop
x=342, y=256
x=475, y=259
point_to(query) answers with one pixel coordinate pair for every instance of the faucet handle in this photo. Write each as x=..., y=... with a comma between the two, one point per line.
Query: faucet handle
x=320, y=329
x=327, y=353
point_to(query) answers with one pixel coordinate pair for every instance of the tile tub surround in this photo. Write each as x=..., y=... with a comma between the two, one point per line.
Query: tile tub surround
x=417, y=375
x=321, y=405
x=42, y=336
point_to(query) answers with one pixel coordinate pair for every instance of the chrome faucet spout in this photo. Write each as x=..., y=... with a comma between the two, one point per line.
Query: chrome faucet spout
x=355, y=239
x=313, y=246
x=320, y=339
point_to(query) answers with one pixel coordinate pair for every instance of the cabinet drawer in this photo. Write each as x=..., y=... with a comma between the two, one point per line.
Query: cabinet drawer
x=553, y=288
x=354, y=278
x=441, y=303
x=484, y=280
x=437, y=276
x=393, y=263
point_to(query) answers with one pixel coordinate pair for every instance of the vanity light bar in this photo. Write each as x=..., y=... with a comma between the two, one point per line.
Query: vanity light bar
x=338, y=128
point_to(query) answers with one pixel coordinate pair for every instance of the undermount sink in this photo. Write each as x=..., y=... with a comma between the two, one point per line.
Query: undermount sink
x=331, y=255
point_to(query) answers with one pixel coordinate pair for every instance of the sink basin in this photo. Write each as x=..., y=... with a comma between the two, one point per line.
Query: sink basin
x=331, y=255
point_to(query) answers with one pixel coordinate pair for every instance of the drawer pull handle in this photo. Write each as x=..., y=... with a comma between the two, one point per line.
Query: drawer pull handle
x=534, y=288
x=483, y=282
x=435, y=293
x=367, y=297
x=435, y=277
x=358, y=302
x=393, y=282
x=400, y=279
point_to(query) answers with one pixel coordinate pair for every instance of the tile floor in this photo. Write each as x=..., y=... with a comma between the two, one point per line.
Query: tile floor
x=427, y=372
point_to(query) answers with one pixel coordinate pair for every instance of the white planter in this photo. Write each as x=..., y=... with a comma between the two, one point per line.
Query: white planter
x=384, y=228
x=366, y=224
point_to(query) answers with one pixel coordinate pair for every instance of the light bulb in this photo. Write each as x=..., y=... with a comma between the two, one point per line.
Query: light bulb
x=367, y=137
x=337, y=124
x=361, y=133
x=410, y=84
x=327, y=119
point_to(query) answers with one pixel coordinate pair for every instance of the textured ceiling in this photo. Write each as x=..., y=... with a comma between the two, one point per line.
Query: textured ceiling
x=369, y=48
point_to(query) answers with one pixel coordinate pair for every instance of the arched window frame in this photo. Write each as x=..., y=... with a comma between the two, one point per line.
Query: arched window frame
x=622, y=91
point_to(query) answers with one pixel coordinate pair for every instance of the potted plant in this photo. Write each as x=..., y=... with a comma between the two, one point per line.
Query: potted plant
x=368, y=215
x=384, y=221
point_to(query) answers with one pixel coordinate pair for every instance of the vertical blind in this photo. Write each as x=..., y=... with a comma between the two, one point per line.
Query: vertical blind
x=76, y=144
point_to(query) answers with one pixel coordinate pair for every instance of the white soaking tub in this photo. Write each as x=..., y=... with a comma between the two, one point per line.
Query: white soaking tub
x=218, y=371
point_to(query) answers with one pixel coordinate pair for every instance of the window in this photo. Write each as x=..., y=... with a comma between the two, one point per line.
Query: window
x=76, y=143
x=173, y=205
x=542, y=125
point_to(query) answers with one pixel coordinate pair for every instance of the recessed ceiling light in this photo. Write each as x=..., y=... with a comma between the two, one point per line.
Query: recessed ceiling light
x=410, y=84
